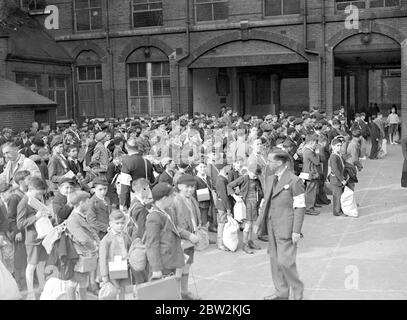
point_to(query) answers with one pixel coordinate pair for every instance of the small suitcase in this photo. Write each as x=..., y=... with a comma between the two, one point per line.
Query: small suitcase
x=162, y=289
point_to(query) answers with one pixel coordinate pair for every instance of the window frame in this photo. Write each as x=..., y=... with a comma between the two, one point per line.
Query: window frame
x=88, y=9
x=21, y=2
x=148, y=3
x=37, y=78
x=211, y=2
x=367, y=5
x=282, y=11
x=89, y=66
x=55, y=89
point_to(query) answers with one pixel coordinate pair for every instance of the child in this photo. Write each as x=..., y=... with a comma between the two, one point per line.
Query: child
x=27, y=216
x=62, y=209
x=251, y=193
x=85, y=241
x=115, y=243
x=112, y=174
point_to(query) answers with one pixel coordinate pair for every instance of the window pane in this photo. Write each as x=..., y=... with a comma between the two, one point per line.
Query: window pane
x=156, y=69
x=157, y=91
x=140, y=7
x=166, y=69
x=82, y=73
x=96, y=19
x=60, y=83
x=158, y=5
x=82, y=20
x=139, y=1
x=81, y=4
x=91, y=73
x=143, y=91
x=148, y=19
x=95, y=3
x=392, y=3
x=144, y=106
x=142, y=70
x=51, y=95
x=204, y=12
x=132, y=70
x=133, y=88
x=272, y=7
x=51, y=82
x=291, y=6
x=98, y=73
x=376, y=3
x=220, y=11
x=166, y=87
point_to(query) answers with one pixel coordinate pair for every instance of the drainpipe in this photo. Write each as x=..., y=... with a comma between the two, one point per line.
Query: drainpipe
x=110, y=52
x=73, y=91
x=305, y=41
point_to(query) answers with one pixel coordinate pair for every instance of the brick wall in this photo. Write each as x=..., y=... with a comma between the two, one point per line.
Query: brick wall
x=18, y=118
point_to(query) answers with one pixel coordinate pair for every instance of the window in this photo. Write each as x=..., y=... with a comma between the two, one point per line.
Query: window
x=281, y=7
x=57, y=91
x=88, y=15
x=29, y=81
x=147, y=13
x=33, y=4
x=90, y=92
x=211, y=10
x=149, y=88
x=261, y=90
x=365, y=4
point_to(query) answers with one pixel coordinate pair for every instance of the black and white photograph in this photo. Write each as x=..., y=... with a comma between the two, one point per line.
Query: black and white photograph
x=227, y=151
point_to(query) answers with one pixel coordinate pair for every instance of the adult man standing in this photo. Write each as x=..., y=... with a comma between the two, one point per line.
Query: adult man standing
x=282, y=218
x=16, y=162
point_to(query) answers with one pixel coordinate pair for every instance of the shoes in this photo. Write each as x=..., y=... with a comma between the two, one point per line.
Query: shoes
x=317, y=205
x=189, y=296
x=275, y=297
x=254, y=246
x=263, y=238
x=312, y=212
x=247, y=249
x=323, y=203
x=212, y=229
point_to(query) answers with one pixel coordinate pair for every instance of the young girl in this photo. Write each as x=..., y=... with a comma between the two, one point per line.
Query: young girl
x=115, y=243
x=251, y=193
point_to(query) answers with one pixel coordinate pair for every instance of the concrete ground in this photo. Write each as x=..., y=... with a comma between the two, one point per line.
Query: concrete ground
x=338, y=258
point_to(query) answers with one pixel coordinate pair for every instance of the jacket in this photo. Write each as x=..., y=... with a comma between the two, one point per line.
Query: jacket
x=12, y=205
x=284, y=206
x=337, y=170
x=98, y=214
x=243, y=184
x=310, y=163
x=224, y=202
x=108, y=249
x=22, y=164
x=165, y=178
x=26, y=220
x=101, y=156
x=201, y=184
x=84, y=236
x=57, y=168
x=60, y=207
x=138, y=212
x=163, y=242
x=183, y=216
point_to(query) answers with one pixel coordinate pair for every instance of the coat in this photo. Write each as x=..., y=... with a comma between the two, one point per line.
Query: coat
x=243, y=184
x=182, y=216
x=224, y=202
x=337, y=170
x=138, y=212
x=279, y=207
x=404, y=171
x=84, y=236
x=101, y=156
x=98, y=214
x=23, y=163
x=26, y=220
x=163, y=242
x=165, y=178
x=60, y=207
x=310, y=163
x=200, y=184
x=108, y=249
x=57, y=168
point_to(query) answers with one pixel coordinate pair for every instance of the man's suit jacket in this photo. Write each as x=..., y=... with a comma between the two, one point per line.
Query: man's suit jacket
x=23, y=163
x=337, y=170
x=279, y=207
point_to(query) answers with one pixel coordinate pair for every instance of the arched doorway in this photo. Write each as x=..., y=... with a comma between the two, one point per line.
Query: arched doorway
x=148, y=82
x=89, y=82
x=367, y=74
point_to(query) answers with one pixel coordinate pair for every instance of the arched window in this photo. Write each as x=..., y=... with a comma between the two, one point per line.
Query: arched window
x=148, y=82
x=89, y=77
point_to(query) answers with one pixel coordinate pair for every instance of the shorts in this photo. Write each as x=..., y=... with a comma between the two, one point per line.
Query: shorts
x=80, y=278
x=251, y=210
x=35, y=254
x=190, y=252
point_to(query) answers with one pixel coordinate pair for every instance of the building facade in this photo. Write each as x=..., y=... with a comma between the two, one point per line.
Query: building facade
x=153, y=57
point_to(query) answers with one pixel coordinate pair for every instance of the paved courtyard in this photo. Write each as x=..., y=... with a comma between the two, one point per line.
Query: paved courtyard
x=339, y=257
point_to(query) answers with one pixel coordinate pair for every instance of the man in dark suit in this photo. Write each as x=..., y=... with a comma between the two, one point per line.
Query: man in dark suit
x=134, y=166
x=282, y=218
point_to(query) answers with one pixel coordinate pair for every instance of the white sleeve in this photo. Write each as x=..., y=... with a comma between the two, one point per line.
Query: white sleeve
x=299, y=201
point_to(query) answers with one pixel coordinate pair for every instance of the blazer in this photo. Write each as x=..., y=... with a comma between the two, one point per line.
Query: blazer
x=60, y=207
x=163, y=242
x=182, y=216
x=84, y=236
x=101, y=156
x=337, y=170
x=98, y=214
x=109, y=248
x=278, y=210
x=57, y=168
x=75, y=167
x=224, y=202
x=243, y=184
x=26, y=220
x=22, y=164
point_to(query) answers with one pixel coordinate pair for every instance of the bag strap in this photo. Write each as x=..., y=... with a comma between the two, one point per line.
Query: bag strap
x=145, y=167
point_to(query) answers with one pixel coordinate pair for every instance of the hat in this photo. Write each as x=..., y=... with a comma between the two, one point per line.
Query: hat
x=100, y=136
x=187, y=179
x=161, y=190
x=336, y=140
x=38, y=142
x=4, y=186
x=66, y=180
x=57, y=140
x=297, y=121
x=100, y=180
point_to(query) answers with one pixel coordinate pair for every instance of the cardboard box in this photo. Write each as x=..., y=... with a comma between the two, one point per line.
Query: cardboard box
x=86, y=264
x=203, y=194
x=118, y=268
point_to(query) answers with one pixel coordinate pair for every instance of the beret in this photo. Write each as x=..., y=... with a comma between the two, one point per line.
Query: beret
x=161, y=190
x=187, y=179
x=100, y=136
x=100, y=180
x=66, y=180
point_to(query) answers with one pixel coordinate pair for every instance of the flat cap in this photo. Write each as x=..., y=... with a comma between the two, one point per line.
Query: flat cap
x=161, y=190
x=187, y=179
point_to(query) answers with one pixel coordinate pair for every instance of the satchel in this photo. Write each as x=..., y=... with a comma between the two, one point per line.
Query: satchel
x=203, y=194
x=138, y=255
x=163, y=289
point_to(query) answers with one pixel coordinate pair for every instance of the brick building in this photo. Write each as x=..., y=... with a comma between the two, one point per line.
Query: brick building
x=135, y=57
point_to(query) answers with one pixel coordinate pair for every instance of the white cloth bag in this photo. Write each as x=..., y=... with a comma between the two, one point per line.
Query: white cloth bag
x=239, y=211
x=348, y=203
x=8, y=286
x=230, y=234
x=54, y=289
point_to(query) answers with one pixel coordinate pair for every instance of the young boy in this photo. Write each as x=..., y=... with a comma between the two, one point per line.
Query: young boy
x=85, y=241
x=112, y=174
x=62, y=209
x=27, y=216
x=116, y=243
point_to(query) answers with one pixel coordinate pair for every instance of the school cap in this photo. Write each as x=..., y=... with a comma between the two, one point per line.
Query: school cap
x=161, y=190
x=100, y=180
x=100, y=136
x=187, y=179
x=66, y=180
